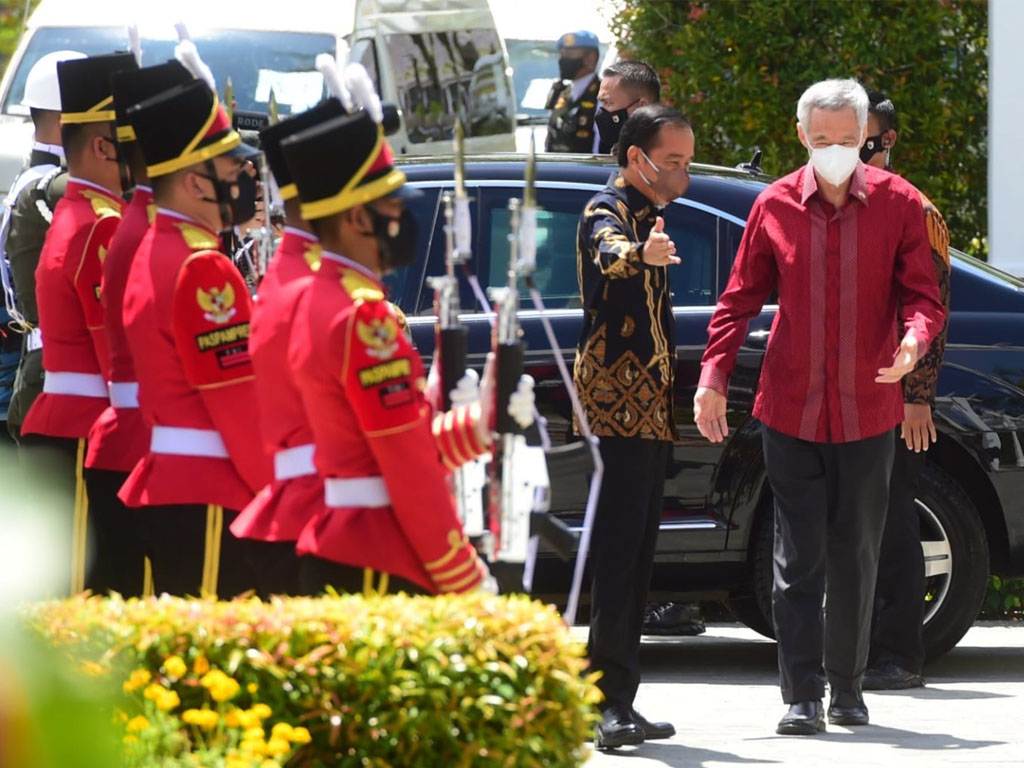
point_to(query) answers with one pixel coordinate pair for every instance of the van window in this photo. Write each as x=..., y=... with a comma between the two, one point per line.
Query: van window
x=695, y=233
x=257, y=62
x=439, y=75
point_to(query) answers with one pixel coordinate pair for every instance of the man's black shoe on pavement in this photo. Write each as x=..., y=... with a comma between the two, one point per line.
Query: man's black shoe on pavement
x=661, y=730
x=677, y=619
x=617, y=729
x=804, y=718
x=891, y=677
x=847, y=707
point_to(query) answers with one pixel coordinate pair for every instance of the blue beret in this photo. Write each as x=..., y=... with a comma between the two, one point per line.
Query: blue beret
x=580, y=39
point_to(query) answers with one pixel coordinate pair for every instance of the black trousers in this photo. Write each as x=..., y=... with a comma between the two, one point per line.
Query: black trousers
x=830, y=505
x=193, y=552
x=317, y=574
x=896, y=636
x=621, y=559
x=118, y=560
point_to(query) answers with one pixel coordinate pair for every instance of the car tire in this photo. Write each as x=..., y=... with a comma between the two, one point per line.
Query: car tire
x=956, y=551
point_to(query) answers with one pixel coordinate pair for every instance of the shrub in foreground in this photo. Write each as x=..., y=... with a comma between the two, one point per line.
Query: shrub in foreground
x=470, y=680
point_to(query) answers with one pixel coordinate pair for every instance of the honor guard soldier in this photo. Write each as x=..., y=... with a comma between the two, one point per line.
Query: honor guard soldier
x=68, y=279
x=573, y=97
x=22, y=233
x=186, y=317
x=280, y=511
x=388, y=493
x=119, y=438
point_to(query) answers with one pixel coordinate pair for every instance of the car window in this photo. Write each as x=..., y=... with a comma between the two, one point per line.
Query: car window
x=404, y=285
x=439, y=75
x=257, y=62
x=694, y=282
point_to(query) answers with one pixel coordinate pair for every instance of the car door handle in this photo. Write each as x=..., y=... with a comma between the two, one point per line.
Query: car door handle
x=758, y=339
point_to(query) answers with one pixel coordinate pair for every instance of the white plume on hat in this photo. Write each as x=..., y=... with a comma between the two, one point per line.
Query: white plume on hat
x=365, y=95
x=187, y=53
x=327, y=66
x=135, y=43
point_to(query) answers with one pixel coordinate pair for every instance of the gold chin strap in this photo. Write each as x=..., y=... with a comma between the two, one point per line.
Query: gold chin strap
x=211, y=560
x=81, y=521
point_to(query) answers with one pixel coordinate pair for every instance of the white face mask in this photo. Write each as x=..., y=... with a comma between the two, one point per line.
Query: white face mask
x=835, y=162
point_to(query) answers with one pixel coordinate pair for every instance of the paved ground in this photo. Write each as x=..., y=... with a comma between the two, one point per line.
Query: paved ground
x=721, y=692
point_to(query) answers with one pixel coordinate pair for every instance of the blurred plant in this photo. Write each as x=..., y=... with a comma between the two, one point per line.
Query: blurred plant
x=1004, y=599
x=469, y=680
x=738, y=67
x=12, y=16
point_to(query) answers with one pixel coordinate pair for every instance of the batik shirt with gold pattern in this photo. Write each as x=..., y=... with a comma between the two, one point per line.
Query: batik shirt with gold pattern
x=626, y=355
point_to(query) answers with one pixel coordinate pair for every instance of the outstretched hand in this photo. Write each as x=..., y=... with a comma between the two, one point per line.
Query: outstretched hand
x=659, y=250
x=903, y=361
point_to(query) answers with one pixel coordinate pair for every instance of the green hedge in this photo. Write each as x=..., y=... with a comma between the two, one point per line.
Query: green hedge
x=1004, y=600
x=738, y=67
x=468, y=680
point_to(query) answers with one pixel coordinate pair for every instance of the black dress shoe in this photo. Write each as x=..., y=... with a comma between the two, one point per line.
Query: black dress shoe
x=805, y=718
x=847, y=708
x=678, y=619
x=617, y=729
x=891, y=677
x=653, y=730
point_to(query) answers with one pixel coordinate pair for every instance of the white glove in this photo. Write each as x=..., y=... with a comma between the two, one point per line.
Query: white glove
x=521, y=402
x=467, y=389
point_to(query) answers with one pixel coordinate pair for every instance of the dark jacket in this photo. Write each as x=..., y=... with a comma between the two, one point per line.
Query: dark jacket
x=571, y=124
x=626, y=354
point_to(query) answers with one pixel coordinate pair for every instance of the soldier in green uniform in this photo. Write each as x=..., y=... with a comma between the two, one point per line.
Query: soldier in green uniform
x=30, y=207
x=573, y=97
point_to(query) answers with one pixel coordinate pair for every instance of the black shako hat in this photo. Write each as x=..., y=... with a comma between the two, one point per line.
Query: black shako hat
x=129, y=87
x=184, y=126
x=272, y=136
x=341, y=163
x=85, y=95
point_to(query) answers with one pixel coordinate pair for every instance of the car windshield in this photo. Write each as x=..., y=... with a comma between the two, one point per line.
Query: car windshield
x=257, y=62
x=534, y=68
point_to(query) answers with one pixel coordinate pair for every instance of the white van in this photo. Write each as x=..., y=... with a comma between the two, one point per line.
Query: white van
x=433, y=58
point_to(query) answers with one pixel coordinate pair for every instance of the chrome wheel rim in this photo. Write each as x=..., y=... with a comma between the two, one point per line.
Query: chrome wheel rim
x=938, y=561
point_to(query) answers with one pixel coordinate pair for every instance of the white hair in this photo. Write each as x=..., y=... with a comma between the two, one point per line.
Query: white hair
x=833, y=95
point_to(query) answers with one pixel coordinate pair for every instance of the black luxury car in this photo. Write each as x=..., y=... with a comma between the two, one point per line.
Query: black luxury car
x=716, y=533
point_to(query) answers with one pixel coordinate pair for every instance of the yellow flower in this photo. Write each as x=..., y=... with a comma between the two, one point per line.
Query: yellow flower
x=204, y=718
x=253, y=734
x=154, y=691
x=224, y=692
x=175, y=667
x=131, y=738
x=261, y=710
x=270, y=764
x=252, y=687
x=281, y=731
x=168, y=701
x=234, y=718
x=136, y=680
x=301, y=735
x=137, y=723
x=278, y=746
x=92, y=669
x=201, y=666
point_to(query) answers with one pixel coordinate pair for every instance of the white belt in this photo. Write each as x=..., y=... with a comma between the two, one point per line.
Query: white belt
x=124, y=394
x=81, y=384
x=356, y=492
x=34, y=340
x=185, y=441
x=294, y=462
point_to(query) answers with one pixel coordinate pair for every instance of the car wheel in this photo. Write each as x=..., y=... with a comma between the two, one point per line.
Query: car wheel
x=956, y=565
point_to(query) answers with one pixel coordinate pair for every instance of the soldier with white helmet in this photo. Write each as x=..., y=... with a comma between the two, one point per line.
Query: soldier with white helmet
x=27, y=214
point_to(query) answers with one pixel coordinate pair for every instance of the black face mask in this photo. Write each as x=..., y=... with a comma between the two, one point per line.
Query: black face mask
x=569, y=68
x=610, y=123
x=236, y=198
x=396, y=239
x=872, y=146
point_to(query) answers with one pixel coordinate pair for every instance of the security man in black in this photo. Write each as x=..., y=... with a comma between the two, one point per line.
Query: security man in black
x=573, y=97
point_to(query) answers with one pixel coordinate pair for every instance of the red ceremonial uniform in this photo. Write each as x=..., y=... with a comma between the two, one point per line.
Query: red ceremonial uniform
x=186, y=317
x=119, y=438
x=279, y=511
x=388, y=493
x=70, y=313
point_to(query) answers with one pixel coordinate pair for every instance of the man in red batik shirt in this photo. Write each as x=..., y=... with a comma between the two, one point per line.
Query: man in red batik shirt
x=845, y=247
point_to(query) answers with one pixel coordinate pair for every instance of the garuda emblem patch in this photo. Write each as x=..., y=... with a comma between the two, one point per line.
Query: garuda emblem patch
x=217, y=303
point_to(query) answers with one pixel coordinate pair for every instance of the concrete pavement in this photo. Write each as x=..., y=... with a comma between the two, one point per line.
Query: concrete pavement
x=721, y=692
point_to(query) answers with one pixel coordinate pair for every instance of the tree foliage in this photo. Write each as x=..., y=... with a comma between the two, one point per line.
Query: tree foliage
x=738, y=67
x=12, y=16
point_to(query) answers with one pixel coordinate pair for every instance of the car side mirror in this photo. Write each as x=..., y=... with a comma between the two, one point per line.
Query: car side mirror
x=392, y=118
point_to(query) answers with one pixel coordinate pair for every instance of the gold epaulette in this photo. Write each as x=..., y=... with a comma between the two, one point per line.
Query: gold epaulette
x=196, y=238
x=360, y=287
x=102, y=205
